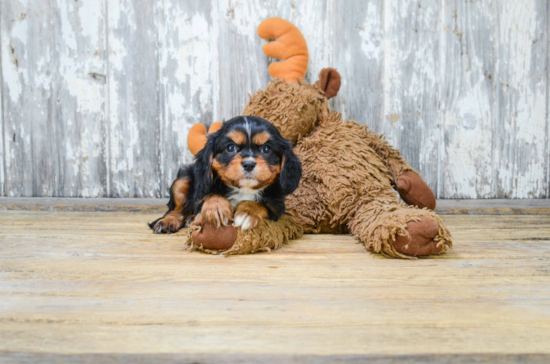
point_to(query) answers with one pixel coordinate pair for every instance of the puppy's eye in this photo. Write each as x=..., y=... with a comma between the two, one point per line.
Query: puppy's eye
x=231, y=148
x=265, y=149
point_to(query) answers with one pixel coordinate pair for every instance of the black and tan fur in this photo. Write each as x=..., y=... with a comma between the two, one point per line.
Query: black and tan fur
x=242, y=175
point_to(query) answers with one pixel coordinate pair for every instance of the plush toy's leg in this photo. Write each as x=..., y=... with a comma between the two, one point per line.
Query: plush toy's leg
x=230, y=240
x=398, y=231
x=411, y=187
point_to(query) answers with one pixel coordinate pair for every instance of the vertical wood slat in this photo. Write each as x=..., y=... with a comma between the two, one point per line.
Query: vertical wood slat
x=133, y=99
x=53, y=88
x=522, y=94
x=357, y=52
x=242, y=63
x=411, y=59
x=494, y=77
x=313, y=19
x=188, y=78
x=2, y=153
x=80, y=82
x=468, y=99
x=27, y=42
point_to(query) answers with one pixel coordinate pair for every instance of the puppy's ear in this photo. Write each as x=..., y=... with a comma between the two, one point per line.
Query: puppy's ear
x=291, y=170
x=203, y=167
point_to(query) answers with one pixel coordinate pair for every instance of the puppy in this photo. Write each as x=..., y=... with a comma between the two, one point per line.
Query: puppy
x=242, y=175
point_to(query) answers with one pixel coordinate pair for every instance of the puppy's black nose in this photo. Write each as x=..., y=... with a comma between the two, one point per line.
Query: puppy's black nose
x=249, y=165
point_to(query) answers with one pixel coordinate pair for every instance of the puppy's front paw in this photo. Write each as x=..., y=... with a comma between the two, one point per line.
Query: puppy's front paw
x=170, y=223
x=217, y=211
x=249, y=214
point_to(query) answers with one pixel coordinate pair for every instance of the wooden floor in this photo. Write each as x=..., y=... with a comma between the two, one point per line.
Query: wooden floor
x=100, y=287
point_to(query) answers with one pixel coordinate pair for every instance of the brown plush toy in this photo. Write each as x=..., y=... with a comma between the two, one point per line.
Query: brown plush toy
x=349, y=172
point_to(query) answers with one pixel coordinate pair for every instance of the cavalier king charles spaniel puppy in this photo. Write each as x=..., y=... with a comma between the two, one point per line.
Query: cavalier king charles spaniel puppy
x=242, y=175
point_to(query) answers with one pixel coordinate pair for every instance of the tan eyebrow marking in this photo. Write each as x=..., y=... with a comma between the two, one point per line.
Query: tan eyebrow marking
x=237, y=136
x=261, y=138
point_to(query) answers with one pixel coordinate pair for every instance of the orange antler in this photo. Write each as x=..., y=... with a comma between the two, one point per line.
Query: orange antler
x=196, y=139
x=289, y=46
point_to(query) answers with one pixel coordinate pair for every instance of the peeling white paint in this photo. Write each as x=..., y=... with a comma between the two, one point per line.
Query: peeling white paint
x=523, y=97
x=90, y=99
x=13, y=56
x=67, y=31
x=370, y=33
x=90, y=15
x=468, y=104
x=460, y=87
x=2, y=135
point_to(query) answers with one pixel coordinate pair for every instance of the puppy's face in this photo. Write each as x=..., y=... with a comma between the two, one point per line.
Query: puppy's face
x=248, y=154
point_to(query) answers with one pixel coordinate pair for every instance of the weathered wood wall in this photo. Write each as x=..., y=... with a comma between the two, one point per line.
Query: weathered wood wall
x=98, y=95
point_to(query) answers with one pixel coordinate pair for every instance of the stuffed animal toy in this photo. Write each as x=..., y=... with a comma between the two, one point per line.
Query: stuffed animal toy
x=349, y=172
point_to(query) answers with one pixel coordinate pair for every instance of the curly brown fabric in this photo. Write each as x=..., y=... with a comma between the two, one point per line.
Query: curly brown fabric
x=349, y=176
x=267, y=236
x=346, y=183
x=292, y=107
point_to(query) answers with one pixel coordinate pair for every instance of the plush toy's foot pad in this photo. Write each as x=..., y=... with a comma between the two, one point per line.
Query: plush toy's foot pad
x=414, y=191
x=212, y=238
x=420, y=241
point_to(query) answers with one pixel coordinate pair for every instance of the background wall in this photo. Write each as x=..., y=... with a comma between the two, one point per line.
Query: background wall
x=98, y=95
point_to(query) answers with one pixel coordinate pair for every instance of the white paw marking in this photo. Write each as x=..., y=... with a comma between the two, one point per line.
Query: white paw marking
x=243, y=221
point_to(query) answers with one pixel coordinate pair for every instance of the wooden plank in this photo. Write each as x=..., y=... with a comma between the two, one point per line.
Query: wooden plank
x=151, y=205
x=444, y=207
x=244, y=66
x=493, y=237
x=133, y=99
x=468, y=98
x=2, y=153
x=188, y=79
x=226, y=358
x=81, y=93
x=55, y=112
x=30, y=99
x=411, y=61
x=357, y=51
x=522, y=94
x=159, y=339
x=77, y=284
x=494, y=207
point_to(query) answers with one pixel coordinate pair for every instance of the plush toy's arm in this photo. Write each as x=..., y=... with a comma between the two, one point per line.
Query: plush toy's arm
x=411, y=187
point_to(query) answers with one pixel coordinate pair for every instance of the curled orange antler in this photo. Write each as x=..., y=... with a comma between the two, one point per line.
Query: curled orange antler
x=289, y=46
x=196, y=139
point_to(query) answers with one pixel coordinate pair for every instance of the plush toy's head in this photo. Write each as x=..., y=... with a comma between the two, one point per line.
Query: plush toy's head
x=288, y=102
x=292, y=107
